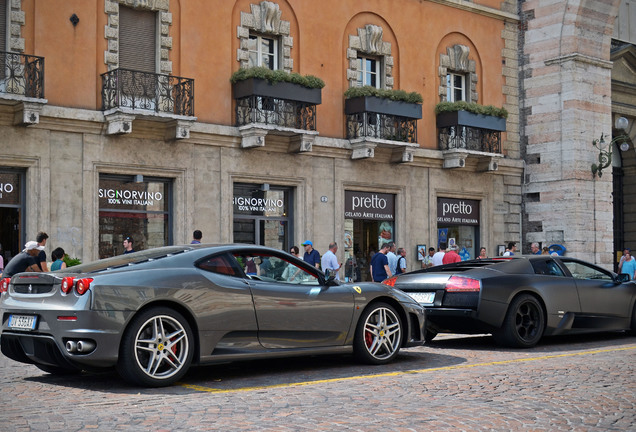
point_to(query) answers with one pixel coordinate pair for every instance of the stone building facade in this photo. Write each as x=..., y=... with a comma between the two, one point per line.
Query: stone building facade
x=567, y=101
x=112, y=149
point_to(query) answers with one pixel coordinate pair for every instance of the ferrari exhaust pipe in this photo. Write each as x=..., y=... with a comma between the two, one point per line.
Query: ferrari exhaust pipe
x=85, y=346
x=71, y=346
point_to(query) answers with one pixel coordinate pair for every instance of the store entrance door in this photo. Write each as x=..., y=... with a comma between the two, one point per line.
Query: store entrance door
x=10, y=233
x=369, y=222
x=11, y=213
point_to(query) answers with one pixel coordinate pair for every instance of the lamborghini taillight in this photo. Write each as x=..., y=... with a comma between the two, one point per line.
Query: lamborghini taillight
x=463, y=284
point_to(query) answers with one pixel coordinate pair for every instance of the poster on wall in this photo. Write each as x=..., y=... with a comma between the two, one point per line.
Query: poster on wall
x=421, y=252
x=385, y=233
x=442, y=236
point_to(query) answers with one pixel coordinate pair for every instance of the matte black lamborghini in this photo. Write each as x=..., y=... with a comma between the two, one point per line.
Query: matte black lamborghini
x=518, y=300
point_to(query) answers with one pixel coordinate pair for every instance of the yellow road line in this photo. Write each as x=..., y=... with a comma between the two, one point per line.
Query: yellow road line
x=398, y=373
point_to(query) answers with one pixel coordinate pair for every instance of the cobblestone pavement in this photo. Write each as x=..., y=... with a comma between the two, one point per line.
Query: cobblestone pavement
x=459, y=383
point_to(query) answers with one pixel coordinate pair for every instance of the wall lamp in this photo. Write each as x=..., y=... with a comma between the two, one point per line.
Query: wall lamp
x=605, y=149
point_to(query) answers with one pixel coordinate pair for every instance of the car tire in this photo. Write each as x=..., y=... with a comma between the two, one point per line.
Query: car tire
x=57, y=370
x=633, y=323
x=379, y=334
x=429, y=336
x=523, y=325
x=156, y=349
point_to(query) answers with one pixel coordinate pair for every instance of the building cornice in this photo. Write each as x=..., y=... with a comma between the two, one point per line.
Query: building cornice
x=479, y=9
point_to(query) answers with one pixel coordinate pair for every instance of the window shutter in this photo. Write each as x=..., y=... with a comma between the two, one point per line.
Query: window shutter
x=3, y=25
x=137, y=39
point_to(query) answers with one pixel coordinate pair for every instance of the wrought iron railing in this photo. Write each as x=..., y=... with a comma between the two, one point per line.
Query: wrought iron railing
x=382, y=126
x=125, y=88
x=469, y=138
x=277, y=112
x=22, y=74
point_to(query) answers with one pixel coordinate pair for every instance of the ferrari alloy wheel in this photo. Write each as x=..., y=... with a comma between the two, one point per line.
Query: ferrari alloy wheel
x=156, y=348
x=524, y=323
x=379, y=334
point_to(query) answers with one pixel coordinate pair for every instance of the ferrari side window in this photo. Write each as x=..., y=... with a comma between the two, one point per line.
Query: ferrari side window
x=220, y=264
x=273, y=268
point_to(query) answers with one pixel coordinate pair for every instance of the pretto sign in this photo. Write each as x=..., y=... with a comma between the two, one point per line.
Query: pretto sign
x=369, y=205
x=452, y=211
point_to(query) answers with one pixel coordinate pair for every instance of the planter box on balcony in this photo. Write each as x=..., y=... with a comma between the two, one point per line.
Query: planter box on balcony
x=378, y=105
x=465, y=118
x=279, y=90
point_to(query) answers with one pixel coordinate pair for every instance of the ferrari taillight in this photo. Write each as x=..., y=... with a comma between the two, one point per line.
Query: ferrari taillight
x=4, y=284
x=390, y=281
x=83, y=285
x=463, y=284
x=67, y=284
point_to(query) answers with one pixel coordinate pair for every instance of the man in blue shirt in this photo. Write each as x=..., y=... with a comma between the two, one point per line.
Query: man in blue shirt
x=380, y=264
x=311, y=256
x=197, y=235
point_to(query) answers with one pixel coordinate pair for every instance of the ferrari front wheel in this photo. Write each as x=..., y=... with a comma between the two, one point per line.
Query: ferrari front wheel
x=378, y=335
x=156, y=349
x=524, y=323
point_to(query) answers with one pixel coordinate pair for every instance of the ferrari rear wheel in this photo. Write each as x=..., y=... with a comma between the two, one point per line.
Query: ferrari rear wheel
x=156, y=349
x=524, y=323
x=633, y=326
x=379, y=334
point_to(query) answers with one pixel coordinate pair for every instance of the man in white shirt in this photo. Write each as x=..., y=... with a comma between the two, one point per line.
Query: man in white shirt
x=439, y=255
x=330, y=261
x=392, y=257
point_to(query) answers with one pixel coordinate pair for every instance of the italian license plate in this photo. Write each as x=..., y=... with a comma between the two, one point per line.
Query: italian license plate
x=23, y=322
x=423, y=297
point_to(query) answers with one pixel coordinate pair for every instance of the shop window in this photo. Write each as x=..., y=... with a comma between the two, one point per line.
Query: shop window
x=262, y=215
x=132, y=208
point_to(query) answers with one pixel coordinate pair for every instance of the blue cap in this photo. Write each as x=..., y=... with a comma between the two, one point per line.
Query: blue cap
x=307, y=242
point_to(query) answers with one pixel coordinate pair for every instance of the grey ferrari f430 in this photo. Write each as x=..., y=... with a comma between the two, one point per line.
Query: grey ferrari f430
x=521, y=299
x=152, y=314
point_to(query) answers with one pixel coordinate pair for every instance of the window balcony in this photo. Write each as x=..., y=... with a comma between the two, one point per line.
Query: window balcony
x=22, y=85
x=462, y=134
x=373, y=121
x=280, y=108
x=127, y=94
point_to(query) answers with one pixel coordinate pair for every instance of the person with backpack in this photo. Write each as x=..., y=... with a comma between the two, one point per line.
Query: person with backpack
x=401, y=261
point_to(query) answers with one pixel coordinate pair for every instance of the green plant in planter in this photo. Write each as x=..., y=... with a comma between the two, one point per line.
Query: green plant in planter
x=276, y=76
x=70, y=262
x=396, y=95
x=474, y=108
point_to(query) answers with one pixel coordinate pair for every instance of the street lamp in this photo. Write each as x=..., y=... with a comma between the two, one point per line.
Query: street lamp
x=605, y=154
